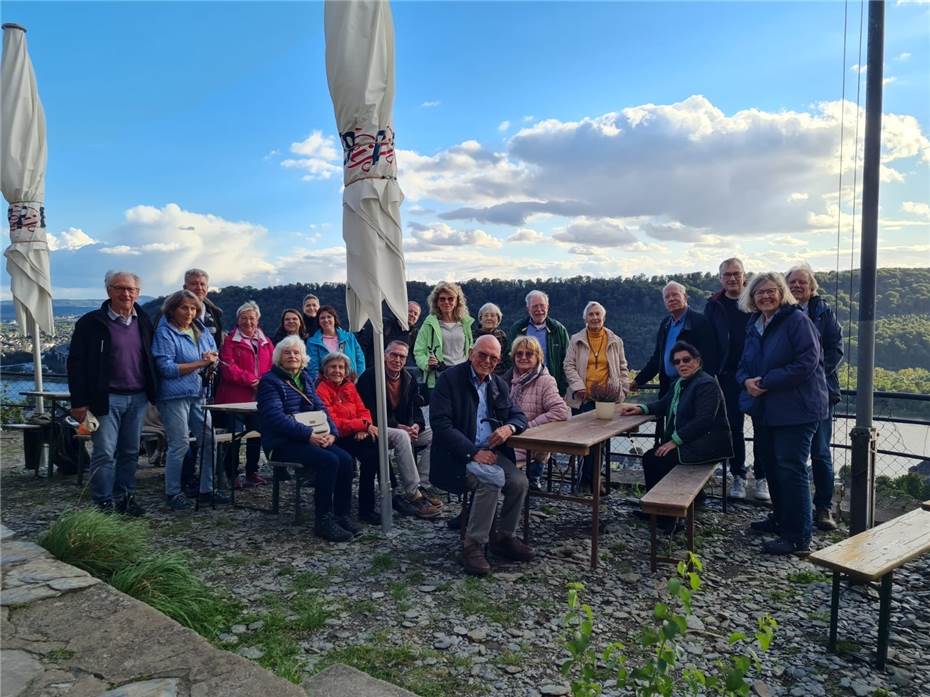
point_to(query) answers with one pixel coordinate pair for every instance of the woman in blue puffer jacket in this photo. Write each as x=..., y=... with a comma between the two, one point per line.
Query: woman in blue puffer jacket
x=785, y=394
x=182, y=348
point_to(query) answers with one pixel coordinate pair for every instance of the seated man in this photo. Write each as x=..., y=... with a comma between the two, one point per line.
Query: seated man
x=695, y=416
x=472, y=416
x=406, y=428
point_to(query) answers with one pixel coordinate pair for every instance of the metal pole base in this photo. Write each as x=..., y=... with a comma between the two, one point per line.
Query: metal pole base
x=862, y=488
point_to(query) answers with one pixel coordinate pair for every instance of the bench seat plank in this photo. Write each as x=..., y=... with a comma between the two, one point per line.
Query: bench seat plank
x=873, y=553
x=227, y=437
x=677, y=489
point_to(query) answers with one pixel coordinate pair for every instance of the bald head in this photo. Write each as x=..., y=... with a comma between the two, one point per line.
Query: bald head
x=485, y=355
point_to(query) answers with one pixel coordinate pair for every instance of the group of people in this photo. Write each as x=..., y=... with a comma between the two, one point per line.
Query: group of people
x=768, y=348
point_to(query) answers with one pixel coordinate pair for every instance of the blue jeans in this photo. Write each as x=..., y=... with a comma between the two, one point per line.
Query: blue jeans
x=116, y=447
x=822, y=463
x=787, y=449
x=181, y=417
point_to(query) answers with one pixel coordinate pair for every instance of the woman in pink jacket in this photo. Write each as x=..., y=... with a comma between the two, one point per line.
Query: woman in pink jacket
x=244, y=358
x=537, y=394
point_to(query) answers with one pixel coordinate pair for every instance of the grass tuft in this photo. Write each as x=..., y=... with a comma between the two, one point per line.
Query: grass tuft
x=97, y=542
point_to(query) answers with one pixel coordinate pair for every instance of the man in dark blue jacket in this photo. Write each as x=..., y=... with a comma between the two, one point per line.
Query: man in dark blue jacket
x=803, y=286
x=111, y=374
x=729, y=324
x=472, y=416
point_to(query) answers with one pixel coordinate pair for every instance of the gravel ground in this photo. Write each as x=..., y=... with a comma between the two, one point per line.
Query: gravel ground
x=401, y=607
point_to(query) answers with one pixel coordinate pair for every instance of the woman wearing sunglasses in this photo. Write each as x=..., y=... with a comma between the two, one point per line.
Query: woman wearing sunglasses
x=695, y=416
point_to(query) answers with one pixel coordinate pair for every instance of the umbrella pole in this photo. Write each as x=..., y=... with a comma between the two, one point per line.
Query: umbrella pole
x=381, y=406
x=37, y=362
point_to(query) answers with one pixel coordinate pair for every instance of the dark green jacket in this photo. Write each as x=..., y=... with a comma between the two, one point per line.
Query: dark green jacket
x=556, y=346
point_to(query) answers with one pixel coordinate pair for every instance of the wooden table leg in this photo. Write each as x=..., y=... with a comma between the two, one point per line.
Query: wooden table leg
x=884, y=621
x=834, y=611
x=596, y=503
x=526, y=503
x=652, y=542
x=689, y=518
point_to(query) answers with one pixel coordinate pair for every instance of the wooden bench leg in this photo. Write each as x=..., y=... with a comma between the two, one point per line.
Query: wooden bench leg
x=298, y=512
x=526, y=518
x=275, y=490
x=884, y=621
x=596, y=503
x=834, y=611
x=652, y=543
x=689, y=519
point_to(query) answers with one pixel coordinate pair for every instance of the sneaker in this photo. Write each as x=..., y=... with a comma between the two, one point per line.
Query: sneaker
x=536, y=483
x=128, y=506
x=782, y=547
x=473, y=559
x=510, y=547
x=255, y=479
x=422, y=507
x=738, y=488
x=370, y=517
x=762, y=490
x=346, y=523
x=402, y=506
x=214, y=497
x=179, y=502
x=105, y=506
x=765, y=526
x=823, y=519
x=327, y=528
x=239, y=483
x=435, y=500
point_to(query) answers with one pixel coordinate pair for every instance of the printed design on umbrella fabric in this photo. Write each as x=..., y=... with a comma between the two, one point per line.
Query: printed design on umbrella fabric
x=364, y=150
x=26, y=216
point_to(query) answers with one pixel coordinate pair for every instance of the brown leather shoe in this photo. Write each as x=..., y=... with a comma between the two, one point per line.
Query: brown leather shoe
x=823, y=519
x=510, y=547
x=473, y=559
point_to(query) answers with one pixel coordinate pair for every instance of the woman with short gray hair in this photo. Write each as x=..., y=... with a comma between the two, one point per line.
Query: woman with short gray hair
x=489, y=320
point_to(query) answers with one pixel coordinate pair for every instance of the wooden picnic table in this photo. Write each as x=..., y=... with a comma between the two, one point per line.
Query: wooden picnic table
x=240, y=408
x=583, y=434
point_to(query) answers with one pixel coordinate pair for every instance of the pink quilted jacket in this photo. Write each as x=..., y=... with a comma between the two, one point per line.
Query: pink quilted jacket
x=538, y=396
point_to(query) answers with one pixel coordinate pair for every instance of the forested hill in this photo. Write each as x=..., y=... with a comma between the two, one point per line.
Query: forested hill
x=634, y=306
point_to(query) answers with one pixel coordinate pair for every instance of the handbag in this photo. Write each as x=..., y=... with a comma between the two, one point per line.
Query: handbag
x=316, y=420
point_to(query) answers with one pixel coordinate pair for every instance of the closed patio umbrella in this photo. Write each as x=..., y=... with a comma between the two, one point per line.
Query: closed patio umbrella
x=24, y=154
x=360, y=71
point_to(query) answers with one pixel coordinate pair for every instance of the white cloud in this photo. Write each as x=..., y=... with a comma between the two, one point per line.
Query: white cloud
x=858, y=69
x=121, y=250
x=797, y=196
x=320, y=157
x=528, y=118
x=904, y=56
x=889, y=80
x=525, y=234
x=672, y=232
x=442, y=235
x=432, y=104
x=596, y=233
x=503, y=126
x=912, y=2
x=69, y=240
x=921, y=210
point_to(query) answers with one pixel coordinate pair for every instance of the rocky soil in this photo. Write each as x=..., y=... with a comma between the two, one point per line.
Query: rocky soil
x=399, y=606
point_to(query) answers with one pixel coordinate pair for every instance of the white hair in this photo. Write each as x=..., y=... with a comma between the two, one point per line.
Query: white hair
x=529, y=296
x=490, y=307
x=676, y=285
x=191, y=274
x=732, y=261
x=112, y=275
x=290, y=342
x=249, y=306
x=804, y=267
x=592, y=303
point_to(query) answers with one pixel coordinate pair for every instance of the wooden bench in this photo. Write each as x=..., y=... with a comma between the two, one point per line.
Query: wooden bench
x=26, y=429
x=301, y=478
x=873, y=555
x=674, y=496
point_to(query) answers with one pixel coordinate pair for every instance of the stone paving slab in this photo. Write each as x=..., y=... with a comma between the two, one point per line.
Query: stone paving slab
x=344, y=681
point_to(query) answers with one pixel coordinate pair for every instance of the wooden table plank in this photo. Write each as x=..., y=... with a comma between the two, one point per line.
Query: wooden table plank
x=46, y=394
x=577, y=435
x=683, y=483
x=234, y=407
x=873, y=553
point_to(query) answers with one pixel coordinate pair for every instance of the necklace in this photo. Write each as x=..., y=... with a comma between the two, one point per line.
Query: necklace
x=597, y=351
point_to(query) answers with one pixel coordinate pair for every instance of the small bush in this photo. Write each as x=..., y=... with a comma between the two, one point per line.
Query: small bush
x=166, y=582
x=99, y=543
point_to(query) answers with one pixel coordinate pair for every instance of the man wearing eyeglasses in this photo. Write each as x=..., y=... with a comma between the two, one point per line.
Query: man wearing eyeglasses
x=111, y=374
x=472, y=417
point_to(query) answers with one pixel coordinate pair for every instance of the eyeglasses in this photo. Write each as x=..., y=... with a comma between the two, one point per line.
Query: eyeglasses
x=482, y=356
x=765, y=292
x=524, y=354
x=732, y=274
x=397, y=356
x=684, y=360
x=125, y=289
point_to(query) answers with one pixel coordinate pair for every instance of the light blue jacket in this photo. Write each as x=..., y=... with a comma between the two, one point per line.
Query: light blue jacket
x=348, y=344
x=172, y=347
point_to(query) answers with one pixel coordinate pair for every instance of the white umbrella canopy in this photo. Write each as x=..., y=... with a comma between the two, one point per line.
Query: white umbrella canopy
x=24, y=155
x=360, y=70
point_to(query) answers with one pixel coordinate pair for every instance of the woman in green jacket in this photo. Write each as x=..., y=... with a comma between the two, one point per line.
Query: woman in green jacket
x=445, y=338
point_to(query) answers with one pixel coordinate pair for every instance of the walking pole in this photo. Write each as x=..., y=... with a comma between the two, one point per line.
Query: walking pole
x=209, y=374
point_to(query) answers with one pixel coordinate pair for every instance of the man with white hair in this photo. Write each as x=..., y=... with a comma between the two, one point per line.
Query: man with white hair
x=551, y=335
x=111, y=374
x=197, y=281
x=681, y=324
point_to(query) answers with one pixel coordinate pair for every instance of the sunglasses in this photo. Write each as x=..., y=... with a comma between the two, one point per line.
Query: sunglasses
x=679, y=361
x=524, y=354
x=482, y=356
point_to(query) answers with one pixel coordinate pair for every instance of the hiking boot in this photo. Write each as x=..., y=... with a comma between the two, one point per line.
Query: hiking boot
x=432, y=490
x=105, y=506
x=510, y=547
x=346, y=523
x=214, y=497
x=782, y=547
x=422, y=506
x=128, y=506
x=473, y=559
x=767, y=525
x=823, y=519
x=370, y=517
x=402, y=506
x=738, y=488
x=434, y=500
x=762, y=490
x=327, y=528
x=255, y=479
x=179, y=502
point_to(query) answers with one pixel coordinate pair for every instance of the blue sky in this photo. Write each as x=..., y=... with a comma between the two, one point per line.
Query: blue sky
x=576, y=138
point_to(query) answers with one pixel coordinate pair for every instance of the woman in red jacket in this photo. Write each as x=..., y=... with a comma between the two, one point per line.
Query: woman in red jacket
x=357, y=432
x=244, y=358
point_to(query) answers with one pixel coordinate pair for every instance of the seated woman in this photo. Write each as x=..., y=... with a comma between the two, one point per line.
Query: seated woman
x=182, y=348
x=287, y=390
x=535, y=391
x=696, y=416
x=358, y=435
x=489, y=321
x=245, y=357
x=292, y=324
x=332, y=338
